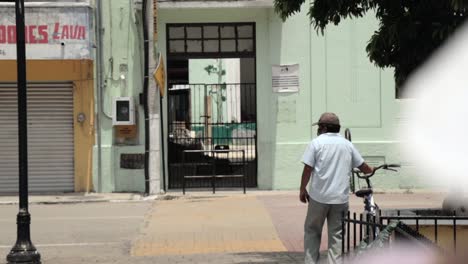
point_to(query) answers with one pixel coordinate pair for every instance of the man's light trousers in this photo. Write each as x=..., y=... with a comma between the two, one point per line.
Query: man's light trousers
x=316, y=215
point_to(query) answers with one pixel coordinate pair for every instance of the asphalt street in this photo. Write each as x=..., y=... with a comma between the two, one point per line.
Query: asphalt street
x=77, y=233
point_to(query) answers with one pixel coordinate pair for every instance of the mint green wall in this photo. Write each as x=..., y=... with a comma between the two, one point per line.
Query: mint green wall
x=123, y=55
x=292, y=113
x=338, y=77
x=266, y=133
x=335, y=75
x=198, y=74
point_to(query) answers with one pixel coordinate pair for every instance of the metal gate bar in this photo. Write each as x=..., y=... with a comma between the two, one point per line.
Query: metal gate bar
x=204, y=117
x=234, y=168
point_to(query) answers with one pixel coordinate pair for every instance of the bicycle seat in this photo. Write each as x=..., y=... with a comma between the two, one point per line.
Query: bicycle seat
x=364, y=192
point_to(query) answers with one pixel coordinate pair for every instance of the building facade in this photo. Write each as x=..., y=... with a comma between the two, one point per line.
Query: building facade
x=60, y=73
x=82, y=55
x=333, y=74
x=237, y=77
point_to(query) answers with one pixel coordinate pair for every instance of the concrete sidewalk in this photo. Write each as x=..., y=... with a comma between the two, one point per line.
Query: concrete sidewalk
x=202, y=224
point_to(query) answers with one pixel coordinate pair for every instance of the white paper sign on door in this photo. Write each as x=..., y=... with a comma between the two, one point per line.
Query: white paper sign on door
x=285, y=78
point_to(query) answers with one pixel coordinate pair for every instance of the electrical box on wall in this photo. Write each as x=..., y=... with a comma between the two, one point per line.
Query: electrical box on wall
x=123, y=111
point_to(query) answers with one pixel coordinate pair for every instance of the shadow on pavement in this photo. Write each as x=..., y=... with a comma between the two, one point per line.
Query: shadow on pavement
x=274, y=257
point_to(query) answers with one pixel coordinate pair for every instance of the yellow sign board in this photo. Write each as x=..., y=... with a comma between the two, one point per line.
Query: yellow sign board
x=159, y=75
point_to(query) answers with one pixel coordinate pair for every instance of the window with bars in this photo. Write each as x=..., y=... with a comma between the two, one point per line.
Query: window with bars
x=198, y=39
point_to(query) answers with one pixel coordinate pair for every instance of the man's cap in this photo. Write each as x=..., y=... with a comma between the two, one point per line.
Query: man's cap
x=328, y=119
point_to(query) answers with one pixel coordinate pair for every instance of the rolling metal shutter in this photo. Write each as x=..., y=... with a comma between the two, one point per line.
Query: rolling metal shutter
x=50, y=137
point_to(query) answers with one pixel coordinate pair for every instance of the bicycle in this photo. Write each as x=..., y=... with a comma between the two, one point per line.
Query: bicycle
x=372, y=218
x=370, y=206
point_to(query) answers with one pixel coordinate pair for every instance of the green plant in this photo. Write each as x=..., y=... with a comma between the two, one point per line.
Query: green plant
x=220, y=89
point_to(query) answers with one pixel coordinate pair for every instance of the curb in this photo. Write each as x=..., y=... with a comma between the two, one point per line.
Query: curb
x=55, y=202
x=82, y=201
x=78, y=202
x=138, y=198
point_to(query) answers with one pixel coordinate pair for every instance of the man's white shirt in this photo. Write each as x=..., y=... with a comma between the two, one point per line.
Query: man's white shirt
x=332, y=158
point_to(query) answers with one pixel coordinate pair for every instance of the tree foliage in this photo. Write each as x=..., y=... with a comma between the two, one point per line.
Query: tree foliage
x=409, y=30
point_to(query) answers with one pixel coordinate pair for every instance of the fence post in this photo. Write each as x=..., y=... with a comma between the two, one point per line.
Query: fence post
x=360, y=227
x=183, y=172
x=354, y=230
x=343, y=233
x=368, y=227
x=243, y=169
x=348, y=230
x=213, y=172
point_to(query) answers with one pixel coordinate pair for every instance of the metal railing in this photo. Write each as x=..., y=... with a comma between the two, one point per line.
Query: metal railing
x=358, y=228
x=205, y=116
x=421, y=229
x=217, y=164
x=364, y=226
x=432, y=224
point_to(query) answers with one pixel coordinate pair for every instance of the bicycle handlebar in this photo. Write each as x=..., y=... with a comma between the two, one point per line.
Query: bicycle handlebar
x=383, y=166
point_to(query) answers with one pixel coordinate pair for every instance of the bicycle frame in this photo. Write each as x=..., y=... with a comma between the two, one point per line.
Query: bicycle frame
x=369, y=205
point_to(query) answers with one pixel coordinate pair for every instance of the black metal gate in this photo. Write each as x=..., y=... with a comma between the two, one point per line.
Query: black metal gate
x=212, y=117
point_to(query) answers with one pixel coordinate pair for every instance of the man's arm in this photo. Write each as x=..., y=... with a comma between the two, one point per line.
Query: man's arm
x=366, y=168
x=303, y=194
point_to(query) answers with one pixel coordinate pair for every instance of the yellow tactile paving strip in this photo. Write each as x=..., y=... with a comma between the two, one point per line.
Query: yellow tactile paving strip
x=207, y=225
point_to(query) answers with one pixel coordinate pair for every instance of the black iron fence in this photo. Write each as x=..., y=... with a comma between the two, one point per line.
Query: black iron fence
x=222, y=166
x=436, y=225
x=357, y=229
x=204, y=117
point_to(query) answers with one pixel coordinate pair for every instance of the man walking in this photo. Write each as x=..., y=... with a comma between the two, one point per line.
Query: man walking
x=328, y=162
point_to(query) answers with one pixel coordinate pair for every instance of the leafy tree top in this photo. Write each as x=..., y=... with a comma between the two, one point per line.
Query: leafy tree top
x=409, y=30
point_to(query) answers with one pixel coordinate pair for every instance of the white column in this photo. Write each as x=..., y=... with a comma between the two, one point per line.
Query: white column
x=153, y=109
x=233, y=91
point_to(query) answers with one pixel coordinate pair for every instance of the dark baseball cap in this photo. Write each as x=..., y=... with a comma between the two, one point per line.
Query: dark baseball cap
x=328, y=119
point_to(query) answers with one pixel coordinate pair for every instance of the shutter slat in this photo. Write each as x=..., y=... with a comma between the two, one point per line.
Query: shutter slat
x=50, y=137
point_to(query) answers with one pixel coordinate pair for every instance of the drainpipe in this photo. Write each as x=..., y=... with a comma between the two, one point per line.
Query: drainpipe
x=100, y=72
x=145, y=95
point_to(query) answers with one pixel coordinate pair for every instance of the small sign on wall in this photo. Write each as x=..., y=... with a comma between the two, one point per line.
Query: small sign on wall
x=126, y=135
x=132, y=161
x=285, y=78
x=128, y=132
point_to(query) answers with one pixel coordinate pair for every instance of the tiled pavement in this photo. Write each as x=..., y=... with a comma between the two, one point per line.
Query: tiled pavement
x=288, y=215
x=208, y=225
x=266, y=228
